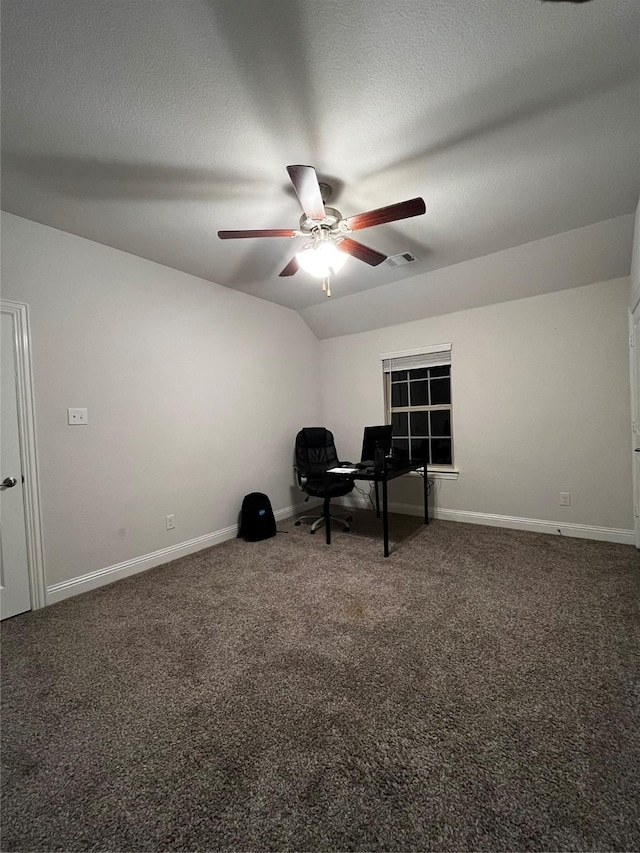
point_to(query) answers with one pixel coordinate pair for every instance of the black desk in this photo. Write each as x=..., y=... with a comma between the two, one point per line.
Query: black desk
x=383, y=477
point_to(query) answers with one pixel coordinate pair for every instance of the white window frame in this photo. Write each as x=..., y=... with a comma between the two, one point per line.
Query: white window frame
x=428, y=356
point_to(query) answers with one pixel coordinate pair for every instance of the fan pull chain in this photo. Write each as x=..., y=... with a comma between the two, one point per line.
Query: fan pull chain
x=326, y=287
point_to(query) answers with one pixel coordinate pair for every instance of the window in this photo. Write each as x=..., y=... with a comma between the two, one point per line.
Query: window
x=417, y=387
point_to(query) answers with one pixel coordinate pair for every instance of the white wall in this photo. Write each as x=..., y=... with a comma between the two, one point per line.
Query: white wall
x=541, y=404
x=195, y=393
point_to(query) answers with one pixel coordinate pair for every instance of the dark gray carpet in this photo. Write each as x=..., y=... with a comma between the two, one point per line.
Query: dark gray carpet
x=479, y=690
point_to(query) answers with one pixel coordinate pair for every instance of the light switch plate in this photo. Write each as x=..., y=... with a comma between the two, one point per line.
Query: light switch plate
x=77, y=416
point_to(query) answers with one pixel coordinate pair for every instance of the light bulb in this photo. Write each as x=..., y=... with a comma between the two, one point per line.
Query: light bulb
x=321, y=259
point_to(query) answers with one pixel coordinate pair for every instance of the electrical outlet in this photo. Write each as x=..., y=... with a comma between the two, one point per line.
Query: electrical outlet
x=171, y=522
x=77, y=416
x=565, y=498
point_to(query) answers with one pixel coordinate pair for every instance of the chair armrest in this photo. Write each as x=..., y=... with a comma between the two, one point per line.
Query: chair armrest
x=301, y=477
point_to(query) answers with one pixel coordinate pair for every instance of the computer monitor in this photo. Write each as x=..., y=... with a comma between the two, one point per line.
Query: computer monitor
x=374, y=436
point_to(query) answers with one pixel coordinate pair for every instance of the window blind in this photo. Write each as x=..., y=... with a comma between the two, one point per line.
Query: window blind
x=432, y=356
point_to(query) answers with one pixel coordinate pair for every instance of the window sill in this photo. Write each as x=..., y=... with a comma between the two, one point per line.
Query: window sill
x=437, y=473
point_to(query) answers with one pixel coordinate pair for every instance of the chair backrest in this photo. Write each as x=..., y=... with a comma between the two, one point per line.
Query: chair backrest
x=315, y=450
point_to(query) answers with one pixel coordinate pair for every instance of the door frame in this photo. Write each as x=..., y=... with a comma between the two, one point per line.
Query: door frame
x=19, y=312
x=635, y=425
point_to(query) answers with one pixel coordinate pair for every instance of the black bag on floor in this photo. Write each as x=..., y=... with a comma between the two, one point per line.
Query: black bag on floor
x=257, y=520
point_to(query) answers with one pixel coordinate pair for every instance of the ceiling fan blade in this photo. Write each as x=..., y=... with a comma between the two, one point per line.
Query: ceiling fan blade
x=305, y=183
x=401, y=210
x=361, y=252
x=270, y=232
x=291, y=268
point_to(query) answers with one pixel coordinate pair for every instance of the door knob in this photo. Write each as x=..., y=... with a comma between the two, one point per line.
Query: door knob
x=9, y=482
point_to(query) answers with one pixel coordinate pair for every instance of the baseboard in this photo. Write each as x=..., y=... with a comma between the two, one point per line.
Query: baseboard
x=557, y=528
x=110, y=574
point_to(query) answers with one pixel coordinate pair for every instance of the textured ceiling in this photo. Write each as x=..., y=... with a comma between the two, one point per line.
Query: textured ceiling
x=148, y=125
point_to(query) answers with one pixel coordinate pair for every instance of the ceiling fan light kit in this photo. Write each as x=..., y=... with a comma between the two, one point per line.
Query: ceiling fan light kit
x=322, y=257
x=329, y=246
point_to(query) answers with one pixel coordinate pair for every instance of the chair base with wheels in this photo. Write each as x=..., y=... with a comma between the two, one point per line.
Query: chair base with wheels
x=319, y=521
x=315, y=453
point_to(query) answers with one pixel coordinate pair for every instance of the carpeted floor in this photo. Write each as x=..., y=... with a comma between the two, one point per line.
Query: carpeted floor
x=478, y=690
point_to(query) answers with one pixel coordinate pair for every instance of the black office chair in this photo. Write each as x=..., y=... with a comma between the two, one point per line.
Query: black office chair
x=315, y=453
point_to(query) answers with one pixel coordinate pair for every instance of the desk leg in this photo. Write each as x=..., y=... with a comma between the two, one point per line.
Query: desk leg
x=426, y=496
x=385, y=516
x=327, y=520
x=377, y=500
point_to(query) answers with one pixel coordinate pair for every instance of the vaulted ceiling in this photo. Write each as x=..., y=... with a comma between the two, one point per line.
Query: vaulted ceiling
x=148, y=125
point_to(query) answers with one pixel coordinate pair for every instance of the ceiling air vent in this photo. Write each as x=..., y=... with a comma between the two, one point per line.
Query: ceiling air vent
x=401, y=259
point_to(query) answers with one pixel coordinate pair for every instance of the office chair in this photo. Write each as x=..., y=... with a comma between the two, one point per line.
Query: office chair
x=315, y=453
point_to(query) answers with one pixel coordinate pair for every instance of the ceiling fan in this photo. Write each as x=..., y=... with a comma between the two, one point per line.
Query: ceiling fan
x=327, y=229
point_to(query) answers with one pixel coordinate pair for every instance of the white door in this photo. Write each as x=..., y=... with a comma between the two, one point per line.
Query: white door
x=14, y=568
x=635, y=402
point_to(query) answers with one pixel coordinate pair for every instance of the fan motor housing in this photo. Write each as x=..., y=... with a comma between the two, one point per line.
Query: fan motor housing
x=331, y=219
